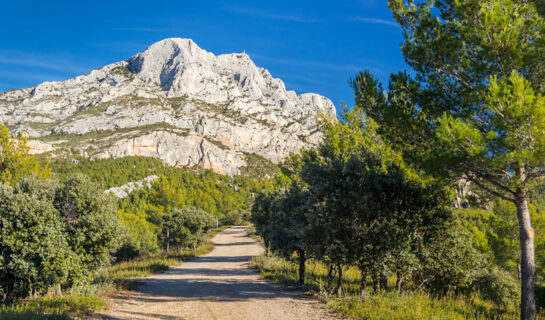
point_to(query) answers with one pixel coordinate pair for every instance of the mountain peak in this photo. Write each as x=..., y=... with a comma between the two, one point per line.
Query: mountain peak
x=173, y=101
x=164, y=59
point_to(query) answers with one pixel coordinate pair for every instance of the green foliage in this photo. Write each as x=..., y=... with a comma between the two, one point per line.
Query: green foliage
x=234, y=218
x=108, y=173
x=185, y=227
x=53, y=233
x=346, y=196
x=449, y=262
x=495, y=234
x=34, y=253
x=282, y=219
x=177, y=187
x=474, y=103
x=15, y=160
x=497, y=285
x=91, y=221
x=141, y=235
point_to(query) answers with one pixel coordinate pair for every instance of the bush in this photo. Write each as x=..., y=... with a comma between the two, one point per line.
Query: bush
x=142, y=236
x=91, y=221
x=497, y=285
x=185, y=227
x=449, y=262
x=233, y=218
x=34, y=253
x=52, y=234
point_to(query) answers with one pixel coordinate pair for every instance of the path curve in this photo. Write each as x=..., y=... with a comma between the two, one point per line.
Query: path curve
x=218, y=285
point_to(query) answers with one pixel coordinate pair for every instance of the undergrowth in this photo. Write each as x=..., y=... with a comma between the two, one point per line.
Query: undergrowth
x=388, y=304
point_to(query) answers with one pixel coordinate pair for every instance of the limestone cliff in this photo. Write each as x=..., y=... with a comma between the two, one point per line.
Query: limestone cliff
x=174, y=101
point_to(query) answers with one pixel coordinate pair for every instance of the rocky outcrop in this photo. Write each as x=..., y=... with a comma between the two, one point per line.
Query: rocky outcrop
x=175, y=102
x=124, y=190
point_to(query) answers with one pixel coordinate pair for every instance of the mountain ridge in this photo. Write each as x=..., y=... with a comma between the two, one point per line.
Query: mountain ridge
x=173, y=101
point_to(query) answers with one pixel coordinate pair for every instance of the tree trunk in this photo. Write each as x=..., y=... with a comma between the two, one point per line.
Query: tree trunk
x=302, y=260
x=519, y=271
x=528, y=267
x=167, y=246
x=363, y=281
x=58, y=290
x=376, y=281
x=330, y=276
x=383, y=281
x=399, y=282
x=338, y=288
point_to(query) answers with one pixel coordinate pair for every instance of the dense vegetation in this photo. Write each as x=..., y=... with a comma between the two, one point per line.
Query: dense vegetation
x=473, y=103
x=387, y=304
x=374, y=195
x=147, y=213
x=51, y=233
x=353, y=205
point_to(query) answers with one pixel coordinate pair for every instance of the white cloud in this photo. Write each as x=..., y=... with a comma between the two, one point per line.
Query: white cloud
x=14, y=57
x=376, y=21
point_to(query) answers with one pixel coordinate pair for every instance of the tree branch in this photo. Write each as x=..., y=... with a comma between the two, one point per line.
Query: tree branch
x=487, y=178
x=487, y=189
x=537, y=174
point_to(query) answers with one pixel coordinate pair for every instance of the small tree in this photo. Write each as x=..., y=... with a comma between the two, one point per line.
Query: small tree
x=34, y=253
x=185, y=227
x=290, y=230
x=90, y=216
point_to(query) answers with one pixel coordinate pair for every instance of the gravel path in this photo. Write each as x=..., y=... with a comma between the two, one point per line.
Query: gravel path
x=218, y=285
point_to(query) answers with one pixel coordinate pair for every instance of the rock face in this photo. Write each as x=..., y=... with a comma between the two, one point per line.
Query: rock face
x=124, y=190
x=174, y=101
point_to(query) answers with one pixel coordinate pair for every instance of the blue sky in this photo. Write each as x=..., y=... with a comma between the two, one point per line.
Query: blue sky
x=314, y=46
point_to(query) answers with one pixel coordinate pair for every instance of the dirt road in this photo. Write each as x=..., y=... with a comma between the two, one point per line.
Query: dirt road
x=218, y=285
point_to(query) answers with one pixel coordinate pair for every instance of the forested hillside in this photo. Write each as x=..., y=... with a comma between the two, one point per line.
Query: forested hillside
x=227, y=199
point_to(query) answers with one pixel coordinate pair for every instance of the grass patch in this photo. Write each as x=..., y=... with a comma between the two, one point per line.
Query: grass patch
x=217, y=143
x=387, y=304
x=54, y=307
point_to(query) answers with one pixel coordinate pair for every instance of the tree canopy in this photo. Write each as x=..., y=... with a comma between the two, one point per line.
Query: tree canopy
x=473, y=104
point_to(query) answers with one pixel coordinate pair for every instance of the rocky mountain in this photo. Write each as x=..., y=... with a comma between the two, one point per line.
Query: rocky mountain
x=174, y=101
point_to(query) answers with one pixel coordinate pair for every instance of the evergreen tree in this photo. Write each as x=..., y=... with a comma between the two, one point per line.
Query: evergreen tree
x=475, y=104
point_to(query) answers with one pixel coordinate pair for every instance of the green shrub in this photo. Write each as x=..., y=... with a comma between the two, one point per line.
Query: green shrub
x=142, y=236
x=497, y=285
x=185, y=227
x=233, y=218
